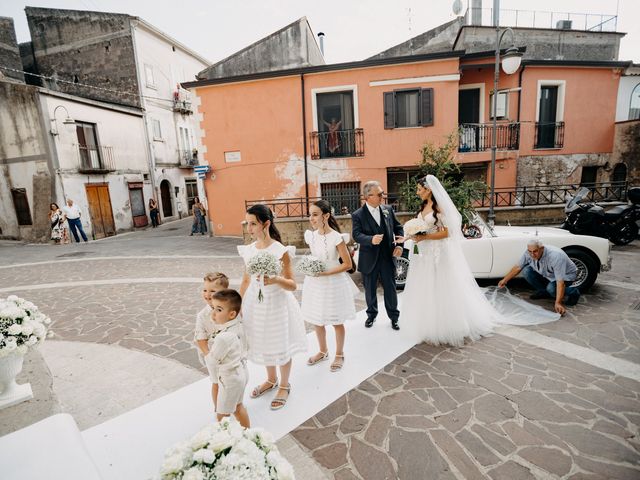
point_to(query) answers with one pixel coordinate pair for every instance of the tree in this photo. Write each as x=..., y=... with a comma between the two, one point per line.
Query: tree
x=439, y=162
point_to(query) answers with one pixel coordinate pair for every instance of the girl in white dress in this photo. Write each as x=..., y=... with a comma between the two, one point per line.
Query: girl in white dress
x=274, y=326
x=328, y=298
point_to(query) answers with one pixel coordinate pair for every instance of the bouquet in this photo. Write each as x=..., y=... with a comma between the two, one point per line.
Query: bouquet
x=415, y=226
x=310, y=265
x=226, y=451
x=21, y=326
x=261, y=264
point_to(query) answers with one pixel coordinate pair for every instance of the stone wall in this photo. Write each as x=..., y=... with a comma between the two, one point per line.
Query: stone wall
x=292, y=229
x=543, y=170
x=92, y=48
x=626, y=149
x=9, y=51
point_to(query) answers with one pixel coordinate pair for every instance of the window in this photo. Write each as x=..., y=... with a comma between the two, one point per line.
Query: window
x=148, y=73
x=191, y=190
x=408, y=108
x=634, y=105
x=157, y=131
x=501, y=105
x=341, y=195
x=396, y=178
x=21, y=205
x=589, y=176
x=88, y=146
x=335, y=124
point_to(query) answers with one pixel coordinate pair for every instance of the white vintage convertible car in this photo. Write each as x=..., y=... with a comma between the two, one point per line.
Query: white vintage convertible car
x=497, y=249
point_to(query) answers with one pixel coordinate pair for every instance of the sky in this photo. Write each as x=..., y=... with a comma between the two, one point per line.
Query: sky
x=354, y=29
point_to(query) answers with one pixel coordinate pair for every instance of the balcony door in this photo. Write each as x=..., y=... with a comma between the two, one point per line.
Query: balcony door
x=547, y=117
x=469, y=118
x=336, y=124
x=88, y=146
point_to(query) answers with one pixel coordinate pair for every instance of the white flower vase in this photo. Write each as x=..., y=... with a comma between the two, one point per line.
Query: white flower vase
x=10, y=392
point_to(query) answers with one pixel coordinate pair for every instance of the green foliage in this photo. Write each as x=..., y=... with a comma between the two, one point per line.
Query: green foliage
x=439, y=162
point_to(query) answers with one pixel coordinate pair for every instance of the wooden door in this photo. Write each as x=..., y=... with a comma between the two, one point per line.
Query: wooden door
x=100, y=210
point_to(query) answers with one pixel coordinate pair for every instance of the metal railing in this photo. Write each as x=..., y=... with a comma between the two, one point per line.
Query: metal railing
x=187, y=158
x=477, y=137
x=182, y=106
x=549, y=135
x=95, y=159
x=544, y=19
x=503, y=197
x=341, y=143
x=553, y=194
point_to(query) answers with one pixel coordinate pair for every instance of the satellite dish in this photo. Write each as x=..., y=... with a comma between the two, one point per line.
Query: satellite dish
x=457, y=7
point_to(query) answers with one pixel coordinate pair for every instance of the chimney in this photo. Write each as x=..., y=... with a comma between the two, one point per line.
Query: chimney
x=321, y=39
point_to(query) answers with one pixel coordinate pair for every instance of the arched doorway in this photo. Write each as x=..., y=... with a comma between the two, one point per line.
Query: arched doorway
x=165, y=198
x=619, y=173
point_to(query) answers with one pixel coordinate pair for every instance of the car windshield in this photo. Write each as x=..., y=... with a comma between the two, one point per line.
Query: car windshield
x=473, y=218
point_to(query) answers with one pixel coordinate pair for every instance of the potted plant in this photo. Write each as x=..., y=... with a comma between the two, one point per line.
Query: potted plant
x=22, y=326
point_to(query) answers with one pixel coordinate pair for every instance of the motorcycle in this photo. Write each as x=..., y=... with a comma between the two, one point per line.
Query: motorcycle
x=618, y=224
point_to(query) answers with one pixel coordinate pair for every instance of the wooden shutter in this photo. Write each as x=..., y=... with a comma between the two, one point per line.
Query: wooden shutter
x=389, y=110
x=427, y=107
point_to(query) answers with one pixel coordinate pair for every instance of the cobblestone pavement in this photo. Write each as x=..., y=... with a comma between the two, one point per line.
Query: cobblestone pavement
x=498, y=408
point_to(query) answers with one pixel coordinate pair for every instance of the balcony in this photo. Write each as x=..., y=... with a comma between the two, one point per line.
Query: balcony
x=341, y=143
x=477, y=137
x=187, y=158
x=95, y=159
x=182, y=106
x=549, y=135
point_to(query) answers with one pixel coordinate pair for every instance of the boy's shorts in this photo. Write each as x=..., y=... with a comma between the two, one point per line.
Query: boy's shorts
x=231, y=386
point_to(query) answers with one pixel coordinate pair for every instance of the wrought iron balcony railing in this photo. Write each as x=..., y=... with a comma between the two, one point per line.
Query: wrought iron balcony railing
x=549, y=135
x=341, y=143
x=187, y=158
x=477, y=137
x=95, y=159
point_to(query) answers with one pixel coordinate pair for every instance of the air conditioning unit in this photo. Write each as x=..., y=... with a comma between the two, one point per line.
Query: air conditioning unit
x=563, y=24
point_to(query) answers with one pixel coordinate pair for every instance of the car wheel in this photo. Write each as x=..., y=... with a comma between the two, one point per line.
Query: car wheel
x=402, y=268
x=588, y=268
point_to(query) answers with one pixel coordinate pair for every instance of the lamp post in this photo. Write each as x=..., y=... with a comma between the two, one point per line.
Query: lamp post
x=510, y=64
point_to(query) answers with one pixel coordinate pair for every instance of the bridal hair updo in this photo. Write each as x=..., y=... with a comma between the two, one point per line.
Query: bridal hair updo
x=325, y=207
x=423, y=182
x=264, y=214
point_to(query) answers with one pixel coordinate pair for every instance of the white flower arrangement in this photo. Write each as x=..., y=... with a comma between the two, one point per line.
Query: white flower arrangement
x=22, y=326
x=417, y=226
x=263, y=264
x=226, y=451
x=310, y=265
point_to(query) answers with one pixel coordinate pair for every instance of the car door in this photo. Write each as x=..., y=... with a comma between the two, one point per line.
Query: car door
x=479, y=255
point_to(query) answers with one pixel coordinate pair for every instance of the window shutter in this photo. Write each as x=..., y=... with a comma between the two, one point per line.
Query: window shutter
x=427, y=107
x=389, y=113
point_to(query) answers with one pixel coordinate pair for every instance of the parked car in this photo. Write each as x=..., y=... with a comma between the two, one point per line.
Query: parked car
x=491, y=252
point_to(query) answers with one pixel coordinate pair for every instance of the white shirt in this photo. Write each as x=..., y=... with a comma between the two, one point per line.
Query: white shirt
x=375, y=213
x=72, y=212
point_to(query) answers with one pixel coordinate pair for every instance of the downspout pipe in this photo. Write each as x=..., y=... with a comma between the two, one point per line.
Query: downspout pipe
x=304, y=142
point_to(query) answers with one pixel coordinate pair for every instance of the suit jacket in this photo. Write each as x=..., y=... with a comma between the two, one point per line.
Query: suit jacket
x=365, y=227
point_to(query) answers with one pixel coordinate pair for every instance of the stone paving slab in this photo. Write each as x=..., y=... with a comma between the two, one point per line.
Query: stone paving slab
x=497, y=408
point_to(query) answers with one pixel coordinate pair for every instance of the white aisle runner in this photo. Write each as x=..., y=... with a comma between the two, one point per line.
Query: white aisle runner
x=132, y=445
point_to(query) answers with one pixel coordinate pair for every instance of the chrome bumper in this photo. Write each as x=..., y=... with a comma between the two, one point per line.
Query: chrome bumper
x=607, y=267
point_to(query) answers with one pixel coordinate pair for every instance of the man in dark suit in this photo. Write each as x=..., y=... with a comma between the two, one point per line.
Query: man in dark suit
x=375, y=228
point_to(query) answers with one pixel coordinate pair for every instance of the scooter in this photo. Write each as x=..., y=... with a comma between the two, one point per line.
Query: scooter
x=618, y=224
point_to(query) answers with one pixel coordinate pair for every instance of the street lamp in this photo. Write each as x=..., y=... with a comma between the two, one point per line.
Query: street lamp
x=510, y=64
x=66, y=121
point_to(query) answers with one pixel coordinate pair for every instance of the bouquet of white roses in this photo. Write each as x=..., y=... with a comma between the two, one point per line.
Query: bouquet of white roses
x=310, y=265
x=226, y=451
x=417, y=226
x=261, y=264
x=22, y=326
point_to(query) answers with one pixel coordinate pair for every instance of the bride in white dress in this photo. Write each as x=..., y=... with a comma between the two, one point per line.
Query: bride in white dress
x=442, y=303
